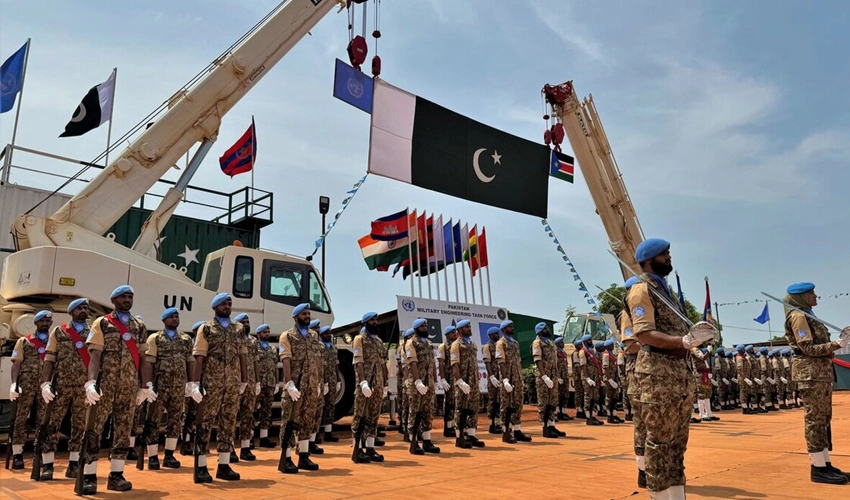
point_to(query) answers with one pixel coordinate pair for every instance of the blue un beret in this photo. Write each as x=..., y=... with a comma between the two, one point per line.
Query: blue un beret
x=577, y=344
x=762, y=349
x=599, y=346
x=609, y=343
x=197, y=325
x=650, y=248
x=168, y=312
x=449, y=329
x=739, y=347
x=76, y=303
x=369, y=315
x=300, y=308
x=409, y=332
x=313, y=324
x=263, y=328
x=558, y=339
x=586, y=337
x=121, y=290
x=730, y=354
x=240, y=317
x=219, y=299
x=492, y=330
x=505, y=324
x=40, y=315
x=539, y=327
x=464, y=322
x=802, y=287
x=631, y=281
x=323, y=330
x=749, y=346
x=419, y=322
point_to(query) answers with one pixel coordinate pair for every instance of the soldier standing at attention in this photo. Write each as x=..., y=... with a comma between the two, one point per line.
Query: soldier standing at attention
x=27, y=358
x=220, y=376
x=578, y=380
x=404, y=411
x=421, y=372
x=612, y=386
x=191, y=406
x=269, y=384
x=488, y=355
x=369, y=366
x=331, y=386
x=248, y=399
x=742, y=367
x=447, y=381
x=665, y=384
x=633, y=381
x=545, y=356
x=116, y=343
x=66, y=360
x=813, y=372
x=785, y=377
x=509, y=362
x=592, y=372
x=563, y=380
x=169, y=361
x=464, y=366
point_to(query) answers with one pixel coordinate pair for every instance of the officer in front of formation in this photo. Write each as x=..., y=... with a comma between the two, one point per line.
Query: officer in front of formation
x=812, y=370
x=545, y=356
x=509, y=361
x=420, y=369
x=666, y=394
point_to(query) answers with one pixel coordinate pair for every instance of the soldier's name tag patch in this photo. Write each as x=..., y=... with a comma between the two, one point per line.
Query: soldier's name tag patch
x=802, y=333
x=639, y=311
x=629, y=332
x=127, y=336
x=79, y=344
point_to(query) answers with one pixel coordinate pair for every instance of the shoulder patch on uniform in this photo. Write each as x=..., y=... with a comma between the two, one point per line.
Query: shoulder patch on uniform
x=454, y=355
x=639, y=311
x=356, y=351
x=14, y=353
x=802, y=333
x=409, y=352
x=629, y=332
x=536, y=350
x=498, y=354
x=282, y=348
x=90, y=336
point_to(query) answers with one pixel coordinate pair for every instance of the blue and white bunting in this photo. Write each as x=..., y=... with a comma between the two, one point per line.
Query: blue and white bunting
x=351, y=192
x=581, y=287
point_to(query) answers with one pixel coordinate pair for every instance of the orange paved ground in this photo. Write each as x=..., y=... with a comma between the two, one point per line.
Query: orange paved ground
x=761, y=457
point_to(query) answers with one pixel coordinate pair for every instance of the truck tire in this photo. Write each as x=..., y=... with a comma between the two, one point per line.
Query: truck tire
x=345, y=398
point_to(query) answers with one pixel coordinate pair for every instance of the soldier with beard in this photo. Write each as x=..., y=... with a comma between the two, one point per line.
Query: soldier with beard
x=488, y=355
x=331, y=385
x=269, y=384
x=447, y=381
x=421, y=371
x=509, y=362
x=545, y=356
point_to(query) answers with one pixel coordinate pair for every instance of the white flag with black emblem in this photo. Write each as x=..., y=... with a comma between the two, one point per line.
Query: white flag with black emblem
x=94, y=110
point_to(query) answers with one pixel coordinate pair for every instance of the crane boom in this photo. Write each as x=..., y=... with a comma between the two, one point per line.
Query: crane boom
x=193, y=116
x=593, y=152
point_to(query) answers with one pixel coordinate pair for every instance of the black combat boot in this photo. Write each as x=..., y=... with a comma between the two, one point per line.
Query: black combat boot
x=234, y=458
x=507, y=437
x=186, y=449
x=319, y=437
x=460, y=442
x=169, y=461
x=547, y=431
x=520, y=436
x=373, y=455
x=380, y=442
x=330, y=438
x=836, y=470
x=580, y=413
x=89, y=484
x=381, y=433
x=73, y=467
x=448, y=431
x=225, y=472
x=305, y=463
x=153, y=462
x=415, y=449
x=630, y=417
x=315, y=450
x=245, y=454
x=266, y=442
x=289, y=467
x=695, y=420
x=203, y=475
x=494, y=429
x=131, y=455
x=641, y=479
x=474, y=441
x=428, y=447
x=826, y=476
x=116, y=482
x=46, y=472
x=17, y=461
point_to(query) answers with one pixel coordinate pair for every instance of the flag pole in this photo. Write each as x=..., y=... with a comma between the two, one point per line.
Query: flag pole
x=454, y=258
x=462, y=268
x=769, y=332
x=409, y=251
x=489, y=291
x=480, y=277
x=469, y=261
x=17, y=115
x=418, y=259
x=445, y=262
x=427, y=256
x=436, y=259
x=111, y=117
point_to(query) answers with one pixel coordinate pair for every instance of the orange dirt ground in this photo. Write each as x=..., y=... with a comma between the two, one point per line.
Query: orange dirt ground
x=758, y=457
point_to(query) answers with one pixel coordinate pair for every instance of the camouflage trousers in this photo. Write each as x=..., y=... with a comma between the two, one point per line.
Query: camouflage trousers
x=73, y=398
x=118, y=400
x=318, y=409
x=264, y=407
x=30, y=397
x=404, y=409
x=470, y=402
x=579, y=394
x=367, y=408
x=301, y=413
x=494, y=401
x=220, y=406
x=417, y=403
x=627, y=403
x=329, y=406
x=744, y=391
x=170, y=399
x=247, y=405
x=633, y=397
x=666, y=406
x=590, y=394
x=191, y=408
x=817, y=400
x=512, y=400
x=545, y=397
x=610, y=394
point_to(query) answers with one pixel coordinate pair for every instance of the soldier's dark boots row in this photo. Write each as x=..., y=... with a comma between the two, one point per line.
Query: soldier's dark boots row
x=592, y=421
x=116, y=482
x=289, y=467
x=827, y=476
x=519, y=436
x=641, y=479
x=169, y=461
x=46, y=472
x=507, y=437
x=428, y=447
x=373, y=455
x=17, y=461
x=305, y=463
x=225, y=472
x=415, y=449
x=557, y=431
x=474, y=441
x=461, y=441
x=89, y=484
x=153, y=462
x=549, y=432
x=247, y=455
x=73, y=467
x=203, y=475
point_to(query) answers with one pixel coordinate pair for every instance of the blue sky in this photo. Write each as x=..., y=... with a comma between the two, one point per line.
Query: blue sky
x=729, y=121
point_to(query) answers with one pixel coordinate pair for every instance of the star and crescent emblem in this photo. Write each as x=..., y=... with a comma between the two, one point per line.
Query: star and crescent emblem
x=497, y=160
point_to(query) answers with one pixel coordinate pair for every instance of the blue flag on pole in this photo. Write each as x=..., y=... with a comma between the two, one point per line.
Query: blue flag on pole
x=681, y=295
x=353, y=86
x=12, y=78
x=764, y=317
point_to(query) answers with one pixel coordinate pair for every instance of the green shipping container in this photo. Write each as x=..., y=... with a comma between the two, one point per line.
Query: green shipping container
x=524, y=333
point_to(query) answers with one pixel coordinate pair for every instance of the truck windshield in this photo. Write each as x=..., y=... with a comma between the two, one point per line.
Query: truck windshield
x=292, y=283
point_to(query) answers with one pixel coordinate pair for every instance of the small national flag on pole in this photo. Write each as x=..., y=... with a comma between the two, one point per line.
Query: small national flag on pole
x=681, y=294
x=389, y=228
x=562, y=166
x=241, y=156
x=94, y=110
x=706, y=310
x=381, y=254
x=764, y=317
x=12, y=78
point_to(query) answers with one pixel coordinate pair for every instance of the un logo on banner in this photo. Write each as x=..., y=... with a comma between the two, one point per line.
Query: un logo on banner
x=408, y=305
x=501, y=314
x=355, y=88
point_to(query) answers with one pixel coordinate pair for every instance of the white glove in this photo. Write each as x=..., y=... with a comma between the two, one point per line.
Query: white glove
x=242, y=386
x=445, y=384
x=507, y=384
x=784, y=380
x=276, y=388
x=420, y=387
x=714, y=383
x=92, y=395
x=197, y=395
x=293, y=392
x=463, y=386
x=735, y=380
x=613, y=384
x=759, y=381
x=257, y=388
x=325, y=390
x=710, y=348
x=13, y=391
x=590, y=382
x=338, y=386
x=146, y=394
x=386, y=391
x=726, y=381
x=47, y=392
x=364, y=387
x=772, y=381
x=548, y=381
x=749, y=382
x=699, y=333
x=560, y=381
x=495, y=381
x=187, y=391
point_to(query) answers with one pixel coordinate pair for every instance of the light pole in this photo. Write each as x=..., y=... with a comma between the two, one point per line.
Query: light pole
x=324, y=207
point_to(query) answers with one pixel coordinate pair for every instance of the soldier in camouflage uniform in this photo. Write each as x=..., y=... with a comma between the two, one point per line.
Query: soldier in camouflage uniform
x=301, y=354
x=447, y=380
x=191, y=408
x=369, y=366
x=578, y=380
x=756, y=389
x=331, y=387
x=592, y=373
x=784, y=378
x=745, y=384
x=564, y=372
x=812, y=370
x=269, y=384
x=27, y=358
x=401, y=375
x=169, y=361
x=421, y=373
x=116, y=344
x=611, y=382
x=777, y=388
x=719, y=373
x=764, y=375
x=509, y=362
x=488, y=355
x=545, y=356
x=733, y=379
x=665, y=390
x=633, y=351
x=703, y=382
x=464, y=365
x=66, y=360
x=248, y=399
x=220, y=376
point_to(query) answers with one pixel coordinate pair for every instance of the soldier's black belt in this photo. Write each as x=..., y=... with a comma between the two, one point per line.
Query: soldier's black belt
x=673, y=353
